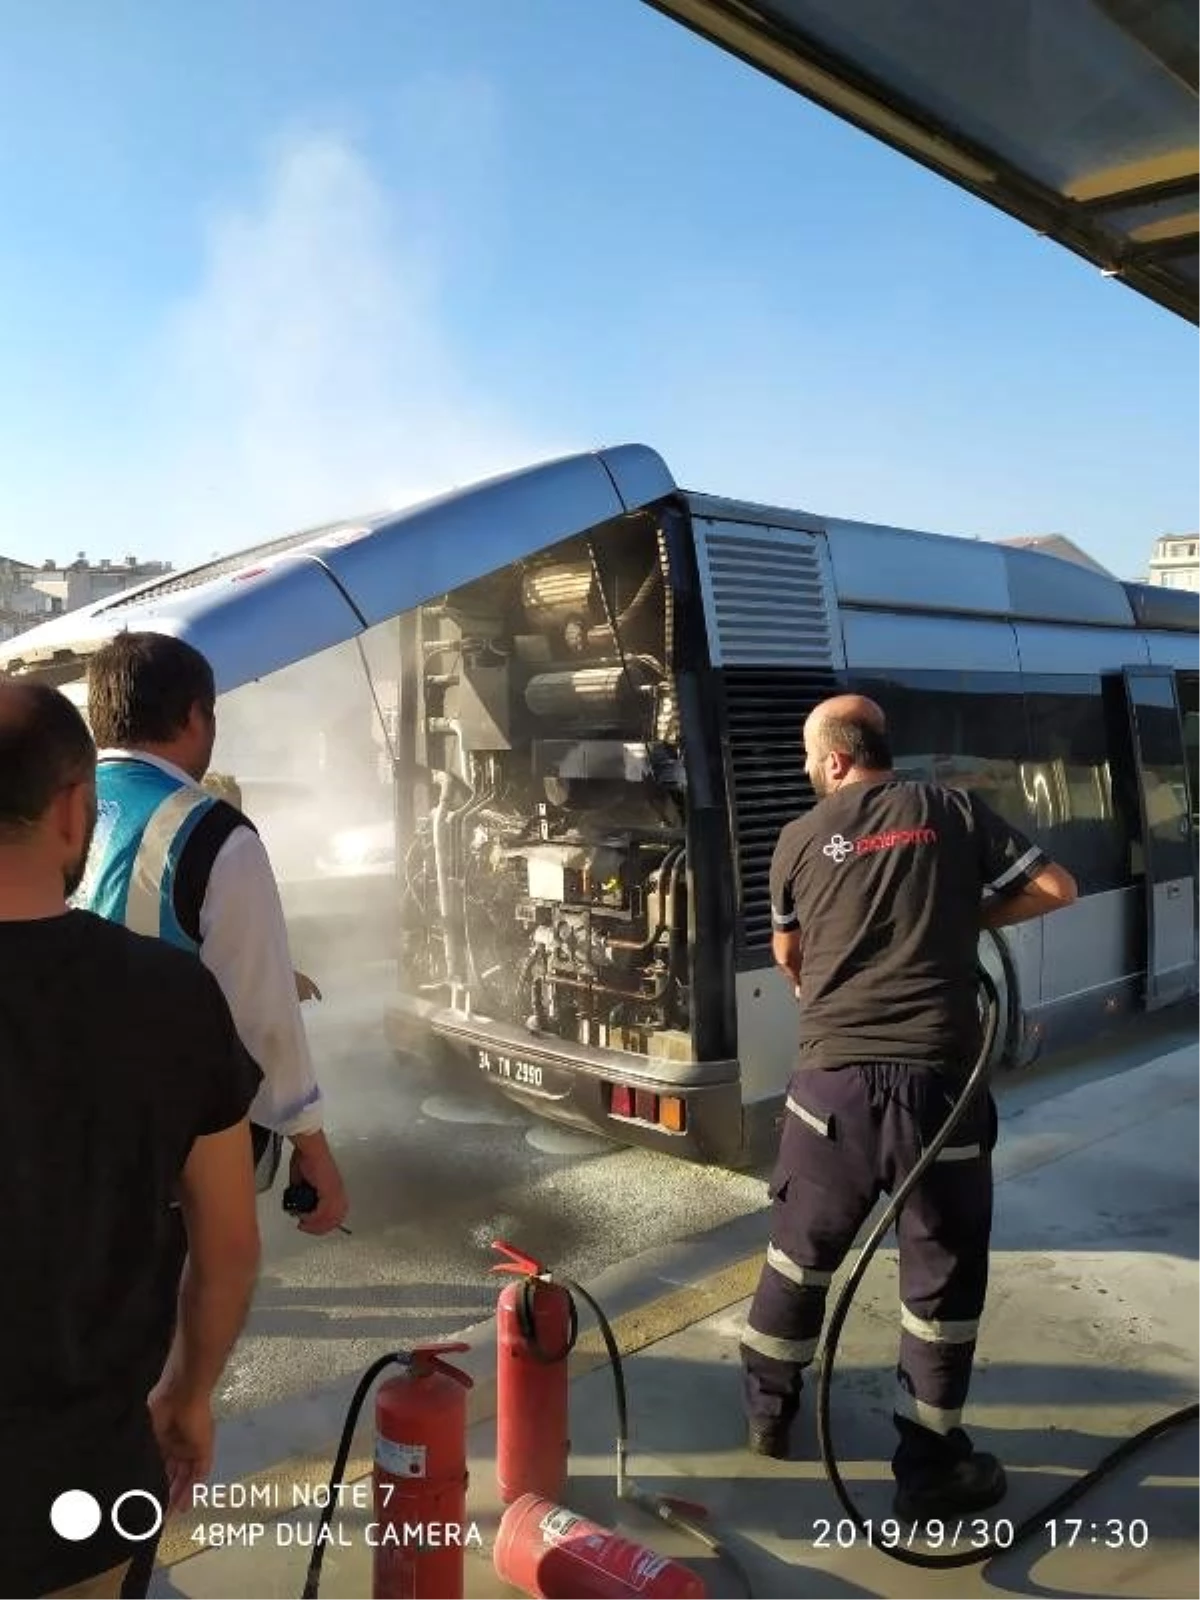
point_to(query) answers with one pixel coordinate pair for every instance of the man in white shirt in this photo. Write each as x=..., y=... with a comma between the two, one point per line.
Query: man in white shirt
x=172, y=860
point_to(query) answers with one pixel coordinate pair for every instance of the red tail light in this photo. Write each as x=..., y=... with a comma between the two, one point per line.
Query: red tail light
x=622, y=1100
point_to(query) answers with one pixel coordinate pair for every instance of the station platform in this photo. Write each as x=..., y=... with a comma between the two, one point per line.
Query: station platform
x=1090, y=1333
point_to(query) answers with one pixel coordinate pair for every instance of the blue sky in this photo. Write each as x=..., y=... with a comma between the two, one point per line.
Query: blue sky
x=263, y=264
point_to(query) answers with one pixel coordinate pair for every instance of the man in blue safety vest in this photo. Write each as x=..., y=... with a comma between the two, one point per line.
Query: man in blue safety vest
x=174, y=861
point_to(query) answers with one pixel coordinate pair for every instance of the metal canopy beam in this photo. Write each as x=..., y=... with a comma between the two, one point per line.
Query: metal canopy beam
x=1077, y=117
x=1141, y=194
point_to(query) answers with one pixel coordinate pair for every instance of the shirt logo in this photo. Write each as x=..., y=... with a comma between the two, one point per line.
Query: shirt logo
x=840, y=848
x=894, y=836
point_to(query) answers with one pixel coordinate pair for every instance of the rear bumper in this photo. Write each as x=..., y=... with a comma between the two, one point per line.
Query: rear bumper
x=571, y=1083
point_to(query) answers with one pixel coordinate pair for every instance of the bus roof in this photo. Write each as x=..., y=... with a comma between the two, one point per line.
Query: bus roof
x=1077, y=117
x=889, y=567
x=265, y=607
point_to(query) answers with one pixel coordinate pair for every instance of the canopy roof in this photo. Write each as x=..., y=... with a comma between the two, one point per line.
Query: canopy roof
x=1078, y=117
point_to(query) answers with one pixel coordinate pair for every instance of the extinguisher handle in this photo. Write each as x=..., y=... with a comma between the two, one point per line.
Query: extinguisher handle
x=427, y=1357
x=518, y=1261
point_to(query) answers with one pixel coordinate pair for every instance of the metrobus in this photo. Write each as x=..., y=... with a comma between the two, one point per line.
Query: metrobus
x=539, y=736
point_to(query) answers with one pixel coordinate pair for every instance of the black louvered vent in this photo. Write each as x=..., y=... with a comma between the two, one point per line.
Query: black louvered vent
x=768, y=598
x=765, y=708
x=772, y=631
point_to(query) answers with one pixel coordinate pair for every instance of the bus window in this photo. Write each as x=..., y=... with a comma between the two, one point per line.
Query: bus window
x=966, y=730
x=1163, y=776
x=1079, y=820
x=1186, y=687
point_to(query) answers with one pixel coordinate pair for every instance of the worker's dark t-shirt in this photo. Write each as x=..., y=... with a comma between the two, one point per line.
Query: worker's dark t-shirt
x=884, y=881
x=116, y=1052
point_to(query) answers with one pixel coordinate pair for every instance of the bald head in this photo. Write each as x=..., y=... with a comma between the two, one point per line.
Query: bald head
x=845, y=741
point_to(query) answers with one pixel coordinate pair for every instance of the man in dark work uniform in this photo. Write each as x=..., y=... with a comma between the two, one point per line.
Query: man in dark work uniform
x=878, y=896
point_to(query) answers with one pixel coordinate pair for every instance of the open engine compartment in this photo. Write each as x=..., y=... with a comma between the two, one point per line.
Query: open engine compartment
x=541, y=818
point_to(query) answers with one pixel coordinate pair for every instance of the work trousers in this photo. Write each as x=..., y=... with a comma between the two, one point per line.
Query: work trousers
x=850, y=1134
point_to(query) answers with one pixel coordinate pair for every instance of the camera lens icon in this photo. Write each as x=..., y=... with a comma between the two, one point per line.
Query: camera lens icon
x=76, y=1514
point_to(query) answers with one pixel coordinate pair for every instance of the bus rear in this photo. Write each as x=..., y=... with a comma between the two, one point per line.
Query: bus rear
x=564, y=904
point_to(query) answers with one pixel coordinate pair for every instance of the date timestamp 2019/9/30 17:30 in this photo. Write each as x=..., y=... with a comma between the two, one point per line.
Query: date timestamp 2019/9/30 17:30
x=1063, y=1533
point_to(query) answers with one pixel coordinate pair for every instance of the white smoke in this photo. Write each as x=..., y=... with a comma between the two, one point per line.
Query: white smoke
x=310, y=374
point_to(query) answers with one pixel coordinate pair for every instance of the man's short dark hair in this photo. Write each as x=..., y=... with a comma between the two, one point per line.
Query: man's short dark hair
x=865, y=744
x=44, y=746
x=142, y=687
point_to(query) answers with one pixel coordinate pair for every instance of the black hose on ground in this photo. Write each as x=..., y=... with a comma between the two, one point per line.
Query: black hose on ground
x=1053, y=1508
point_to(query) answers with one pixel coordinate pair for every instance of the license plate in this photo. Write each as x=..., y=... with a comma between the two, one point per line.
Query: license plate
x=498, y=1064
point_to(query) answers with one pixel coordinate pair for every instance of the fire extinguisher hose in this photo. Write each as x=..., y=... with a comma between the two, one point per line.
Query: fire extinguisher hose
x=312, y=1581
x=663, y=1507
x=1037, y=1521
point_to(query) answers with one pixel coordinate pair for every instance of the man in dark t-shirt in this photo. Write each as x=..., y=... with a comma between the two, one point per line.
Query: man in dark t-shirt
x=125, y=1088
x=878, y=897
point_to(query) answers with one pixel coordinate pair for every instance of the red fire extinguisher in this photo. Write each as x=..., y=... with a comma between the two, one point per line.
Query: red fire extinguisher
x=420, y=1478
x=550, y=1552
x=536, y=1326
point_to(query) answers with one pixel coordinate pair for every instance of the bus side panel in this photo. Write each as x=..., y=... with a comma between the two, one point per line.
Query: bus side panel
x=767, y=1033
x=774, y=639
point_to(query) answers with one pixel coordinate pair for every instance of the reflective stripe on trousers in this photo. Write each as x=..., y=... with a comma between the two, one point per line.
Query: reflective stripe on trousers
x=852, y=1133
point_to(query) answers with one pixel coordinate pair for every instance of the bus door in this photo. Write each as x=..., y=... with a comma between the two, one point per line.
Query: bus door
x=1166, y=811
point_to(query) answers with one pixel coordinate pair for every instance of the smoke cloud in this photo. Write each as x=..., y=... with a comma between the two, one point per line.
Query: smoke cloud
x=310, y=374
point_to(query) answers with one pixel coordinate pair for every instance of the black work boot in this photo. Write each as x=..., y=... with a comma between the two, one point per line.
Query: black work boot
x=954, y=1489
x=769, y=1439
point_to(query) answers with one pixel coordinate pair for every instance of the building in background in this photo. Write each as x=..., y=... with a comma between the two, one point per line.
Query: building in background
x=1056, y=544
x=20, y=605
x=28, y=594
x=1175, y=563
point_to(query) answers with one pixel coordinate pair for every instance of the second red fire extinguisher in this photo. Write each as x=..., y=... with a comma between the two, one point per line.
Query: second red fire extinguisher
x=536, y=1328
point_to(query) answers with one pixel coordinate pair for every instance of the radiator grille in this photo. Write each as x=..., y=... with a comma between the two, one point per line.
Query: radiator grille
x=771, y=633
x=764, y=711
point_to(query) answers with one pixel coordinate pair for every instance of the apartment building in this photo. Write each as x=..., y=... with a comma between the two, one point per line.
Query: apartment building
x=1175, y=563
x=29, y=594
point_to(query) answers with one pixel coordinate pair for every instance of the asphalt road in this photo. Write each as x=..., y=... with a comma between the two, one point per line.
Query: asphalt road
x=436, y=1171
